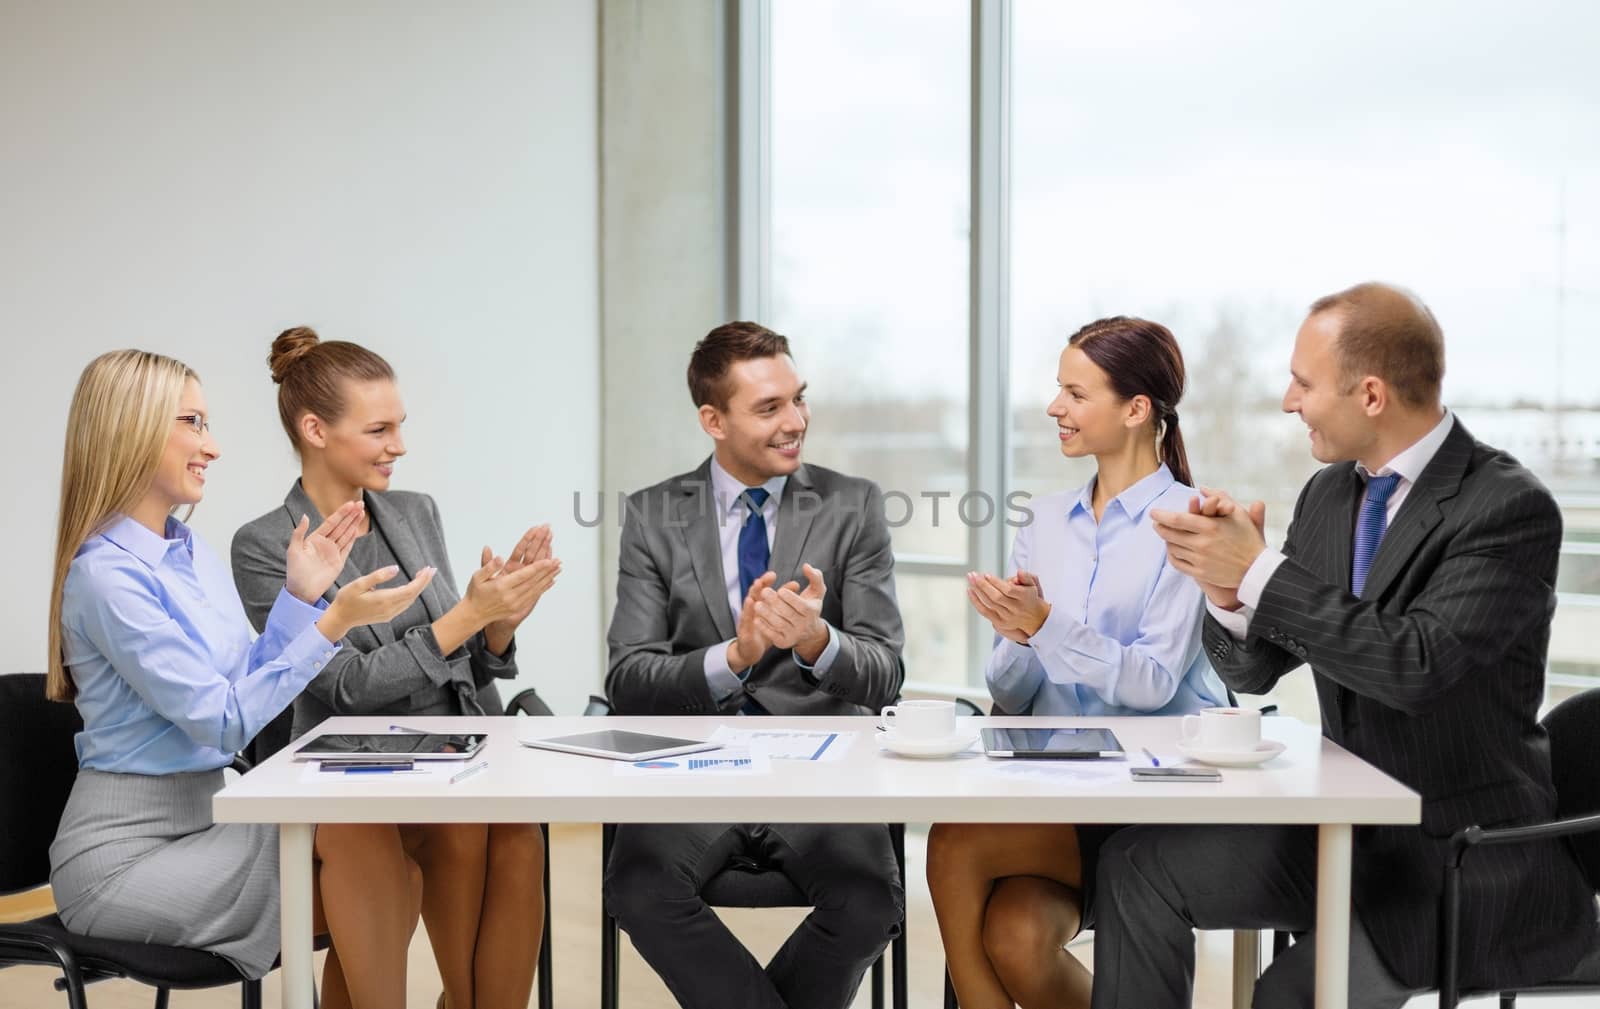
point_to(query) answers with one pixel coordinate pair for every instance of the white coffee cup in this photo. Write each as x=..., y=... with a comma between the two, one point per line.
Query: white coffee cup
x=921, y=719
x=1233, y=730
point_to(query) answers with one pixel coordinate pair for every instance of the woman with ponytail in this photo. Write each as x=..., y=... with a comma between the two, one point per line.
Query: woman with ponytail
x=149, y=640
x=1090, y=621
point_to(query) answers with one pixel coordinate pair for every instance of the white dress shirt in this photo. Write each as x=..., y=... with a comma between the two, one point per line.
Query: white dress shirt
x=729, y=507
x=1409, y=464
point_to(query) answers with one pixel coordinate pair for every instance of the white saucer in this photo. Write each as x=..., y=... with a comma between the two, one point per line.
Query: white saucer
x=1264, y=751
x=943, y=746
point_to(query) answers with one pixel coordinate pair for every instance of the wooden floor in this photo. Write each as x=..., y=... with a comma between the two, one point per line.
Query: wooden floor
x=576, y=885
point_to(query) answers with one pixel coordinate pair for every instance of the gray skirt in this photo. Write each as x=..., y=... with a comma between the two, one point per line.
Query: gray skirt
x=137, y=857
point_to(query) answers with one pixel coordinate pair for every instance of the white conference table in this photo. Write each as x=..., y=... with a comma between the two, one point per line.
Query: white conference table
x=1312, y=782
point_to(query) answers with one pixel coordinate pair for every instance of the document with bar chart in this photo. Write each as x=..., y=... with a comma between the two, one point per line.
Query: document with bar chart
x=730, y=760
x=789, y=744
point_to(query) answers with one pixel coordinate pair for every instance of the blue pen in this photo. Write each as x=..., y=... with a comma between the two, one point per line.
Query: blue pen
x=1153, y=761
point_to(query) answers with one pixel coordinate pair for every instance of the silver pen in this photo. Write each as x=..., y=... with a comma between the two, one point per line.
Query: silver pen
x=469, y=772
x=1153, y=761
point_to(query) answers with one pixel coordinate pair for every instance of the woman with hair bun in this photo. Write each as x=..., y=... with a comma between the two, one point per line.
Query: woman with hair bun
x=1092, y=620
x=483, y=893
x=149, y=640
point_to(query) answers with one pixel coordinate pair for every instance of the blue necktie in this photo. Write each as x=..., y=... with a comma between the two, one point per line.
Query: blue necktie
x=754, y=557
x=1370, y=527
x=754, y=553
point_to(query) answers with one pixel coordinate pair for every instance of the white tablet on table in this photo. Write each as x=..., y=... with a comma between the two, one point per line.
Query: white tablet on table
x=619, y=744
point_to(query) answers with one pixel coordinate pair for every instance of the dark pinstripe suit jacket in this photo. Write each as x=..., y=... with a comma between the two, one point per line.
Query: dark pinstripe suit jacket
x=1435, y=675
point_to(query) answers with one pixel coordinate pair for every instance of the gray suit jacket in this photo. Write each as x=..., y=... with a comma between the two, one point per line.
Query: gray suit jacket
x=1435, y=675
x=672, y=602
x=375, y=673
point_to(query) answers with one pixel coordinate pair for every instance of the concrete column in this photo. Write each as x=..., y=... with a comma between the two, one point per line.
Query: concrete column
x=663, y=226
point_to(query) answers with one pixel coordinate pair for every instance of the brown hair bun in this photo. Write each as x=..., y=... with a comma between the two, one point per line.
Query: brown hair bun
x=290, y=346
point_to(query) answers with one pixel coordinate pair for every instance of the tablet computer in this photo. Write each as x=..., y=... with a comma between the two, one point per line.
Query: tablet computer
x=389, y=745
x=1058, y=744
x=619, y=744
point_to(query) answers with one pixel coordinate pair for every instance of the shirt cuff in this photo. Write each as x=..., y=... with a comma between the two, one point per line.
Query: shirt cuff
x=501, y=661
x=830, y=651
x=309, y=651
x=1235, y=622
x=290, y=616
x=1255, y=579
x=724, y=682
x=1052, y=632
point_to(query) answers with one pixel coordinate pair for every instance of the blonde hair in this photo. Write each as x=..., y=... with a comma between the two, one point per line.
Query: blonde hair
x=117, y=429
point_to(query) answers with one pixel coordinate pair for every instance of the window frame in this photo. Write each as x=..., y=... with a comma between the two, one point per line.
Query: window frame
x=988, y=331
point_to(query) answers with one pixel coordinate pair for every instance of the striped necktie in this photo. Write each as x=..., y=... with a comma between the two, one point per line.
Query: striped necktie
x=1371, y=524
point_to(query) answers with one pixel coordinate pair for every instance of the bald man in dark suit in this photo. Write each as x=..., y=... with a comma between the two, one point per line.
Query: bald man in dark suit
x=1417, y=581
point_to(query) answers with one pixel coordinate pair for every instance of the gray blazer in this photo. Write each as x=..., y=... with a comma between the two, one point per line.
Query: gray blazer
x=672, y=601
x=1435, y=675
x=375, y=673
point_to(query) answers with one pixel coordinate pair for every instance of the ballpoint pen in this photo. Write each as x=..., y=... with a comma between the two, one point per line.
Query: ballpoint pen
x=407, y=728
x=1153, y=761
x=469, y=772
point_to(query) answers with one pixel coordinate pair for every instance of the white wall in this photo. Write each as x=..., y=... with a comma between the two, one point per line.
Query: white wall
x=191, y=177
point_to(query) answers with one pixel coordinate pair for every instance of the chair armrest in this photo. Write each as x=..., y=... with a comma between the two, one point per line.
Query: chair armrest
x=1467, y=838
x=597, y=706
x=1463, y=841
x=240, y=764
x=528, y=702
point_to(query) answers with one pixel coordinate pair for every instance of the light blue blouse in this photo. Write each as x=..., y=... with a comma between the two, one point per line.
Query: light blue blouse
x=156, y=640
x=1123, y=635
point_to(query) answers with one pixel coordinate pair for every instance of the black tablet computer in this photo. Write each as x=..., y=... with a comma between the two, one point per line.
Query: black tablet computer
x=1055, y=744
x=389, y=745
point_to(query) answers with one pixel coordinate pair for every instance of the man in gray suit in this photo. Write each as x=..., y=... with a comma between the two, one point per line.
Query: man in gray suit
x=712, y=618
x=1418, y=581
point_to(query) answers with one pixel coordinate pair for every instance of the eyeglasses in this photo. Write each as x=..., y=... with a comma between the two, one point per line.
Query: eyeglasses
x=196, y=421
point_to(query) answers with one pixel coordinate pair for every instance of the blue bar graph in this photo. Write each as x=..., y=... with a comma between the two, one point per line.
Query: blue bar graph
x=700, y=764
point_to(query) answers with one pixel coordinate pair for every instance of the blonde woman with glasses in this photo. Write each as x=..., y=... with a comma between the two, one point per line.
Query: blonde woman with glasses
x=149, y=639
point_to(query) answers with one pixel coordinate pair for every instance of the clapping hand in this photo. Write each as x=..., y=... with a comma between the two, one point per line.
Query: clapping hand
x=314, y=561
x=750, y=641
x=528, y=572
x=790, y=618
x=1214, y=542
x=1015, y=606
x=362, y=602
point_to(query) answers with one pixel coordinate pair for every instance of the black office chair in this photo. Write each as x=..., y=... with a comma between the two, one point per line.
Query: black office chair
x=528, y=702
x=37, y=767
x=1573, y=725
x=740, y=887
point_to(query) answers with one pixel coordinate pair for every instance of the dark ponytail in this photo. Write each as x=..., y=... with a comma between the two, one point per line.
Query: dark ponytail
x=1172, y=451
x=1141, y=358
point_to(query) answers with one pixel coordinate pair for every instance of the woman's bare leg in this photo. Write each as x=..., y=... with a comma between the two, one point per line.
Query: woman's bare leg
x=453, y=858
x=367, y=886
x=965, y=861
x=512, y=926
x=1029, y=920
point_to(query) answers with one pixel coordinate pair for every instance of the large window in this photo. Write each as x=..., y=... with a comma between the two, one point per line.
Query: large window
x=868, y=252
x=1214, y=167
